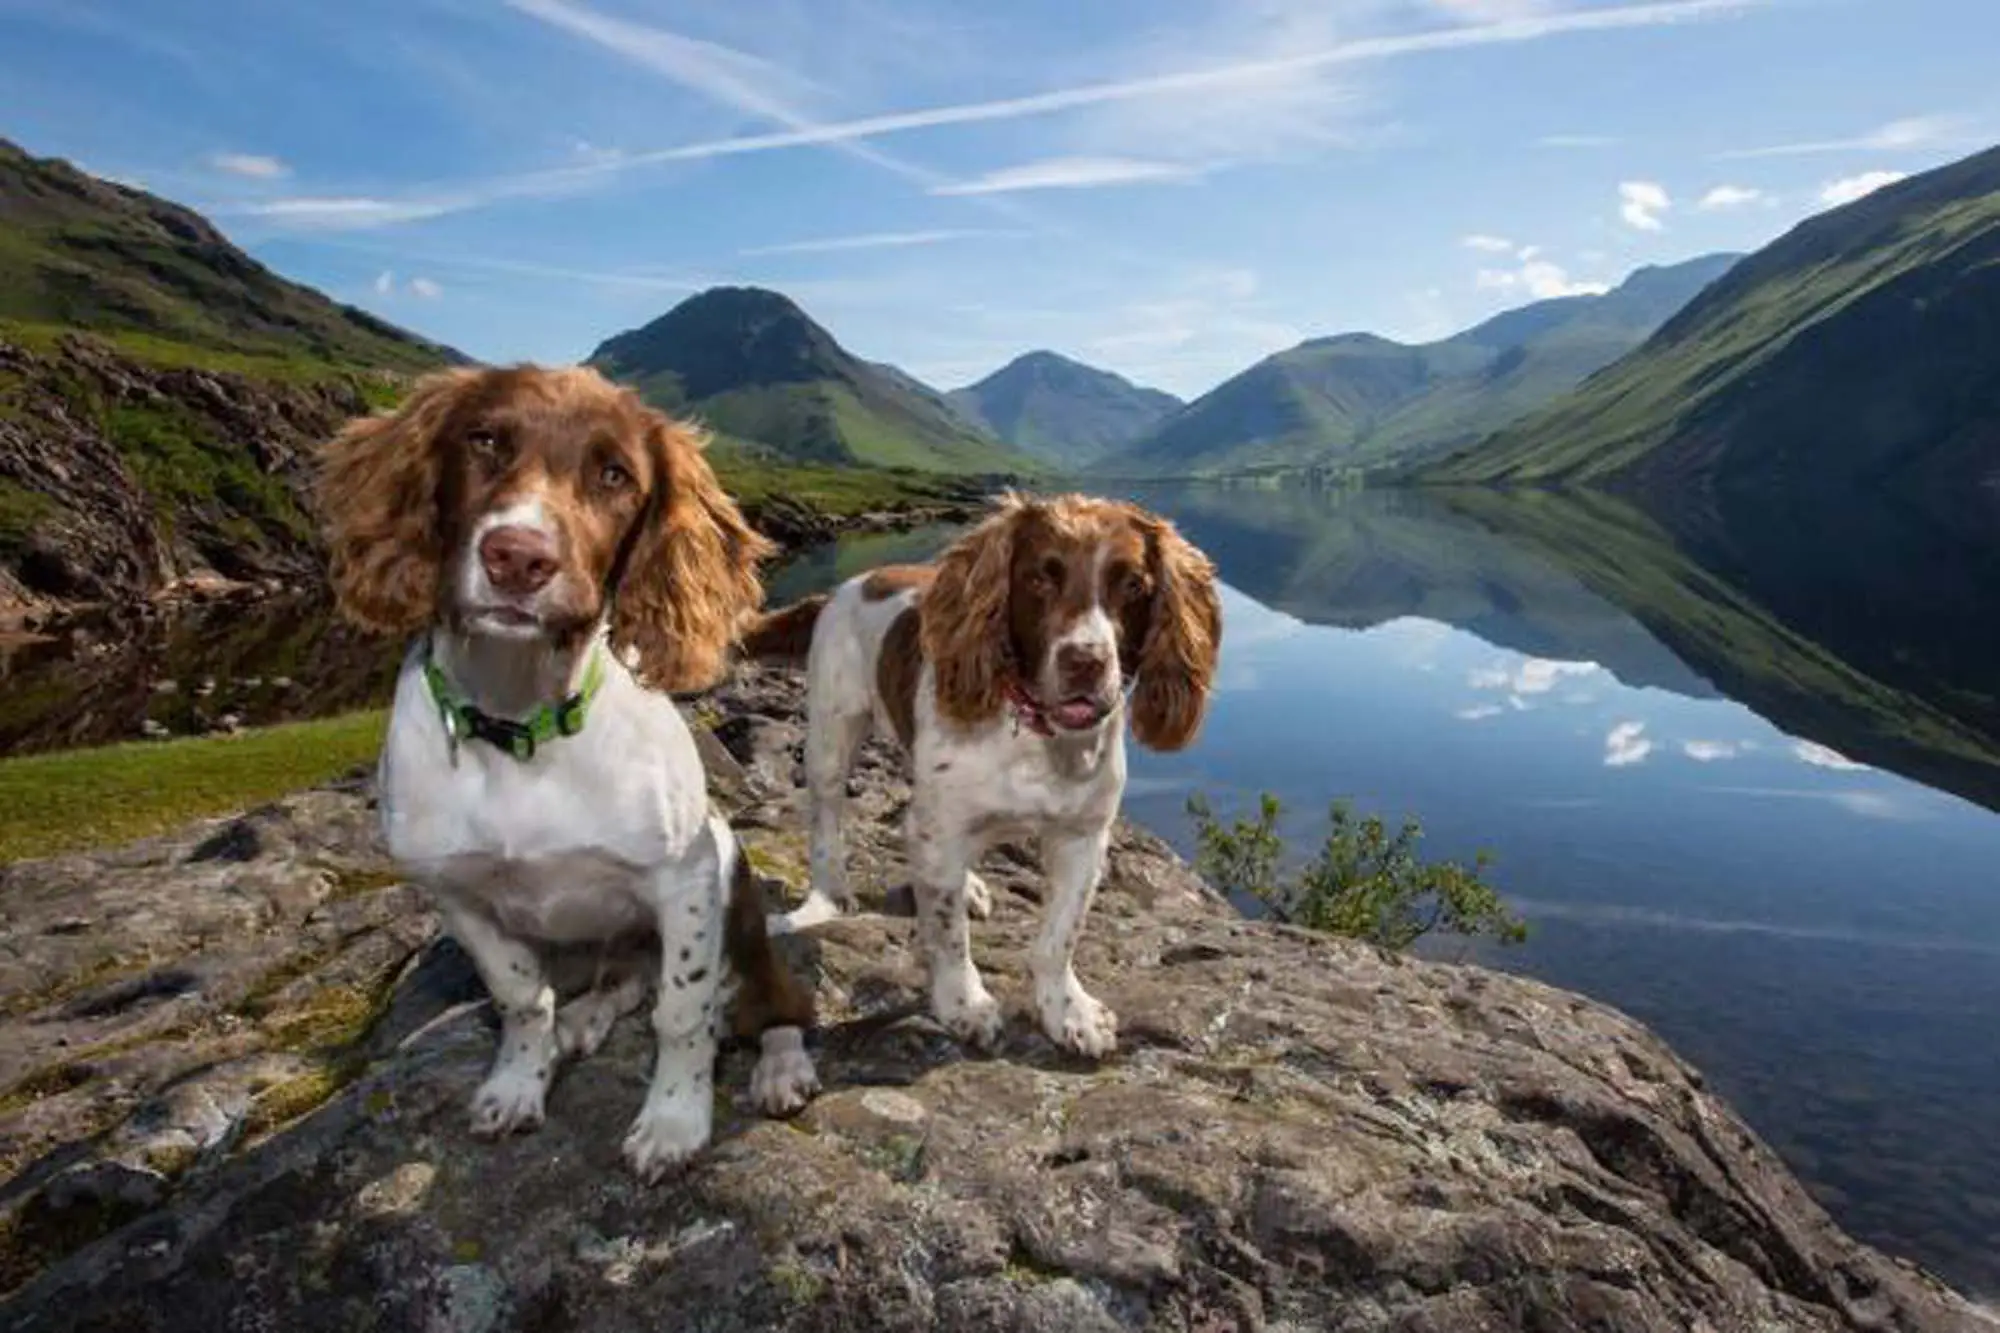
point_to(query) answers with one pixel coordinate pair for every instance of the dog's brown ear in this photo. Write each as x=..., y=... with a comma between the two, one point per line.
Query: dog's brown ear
x=691, y=580
x=1184, y=637
x=965, y=616
x=378, y=493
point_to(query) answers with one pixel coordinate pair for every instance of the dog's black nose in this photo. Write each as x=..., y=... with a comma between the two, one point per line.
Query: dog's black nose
x=518, y=560
x=1081, y=667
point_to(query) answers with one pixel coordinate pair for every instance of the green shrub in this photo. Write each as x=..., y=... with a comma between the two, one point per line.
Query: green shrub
x=1363, y=882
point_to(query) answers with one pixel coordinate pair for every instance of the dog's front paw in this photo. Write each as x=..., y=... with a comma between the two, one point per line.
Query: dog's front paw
x=967, y=1010
x=1077, y=1021
x=509, y=1102
x=666, y=1135
x=784, y=1079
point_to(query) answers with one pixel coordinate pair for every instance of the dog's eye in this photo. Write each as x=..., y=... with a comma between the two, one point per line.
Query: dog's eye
x=614, y=477
x=1051, y=572
x=484, y=442
x=1134, y=588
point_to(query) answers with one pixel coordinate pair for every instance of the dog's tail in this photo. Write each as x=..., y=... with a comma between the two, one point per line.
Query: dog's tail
x=784, y=635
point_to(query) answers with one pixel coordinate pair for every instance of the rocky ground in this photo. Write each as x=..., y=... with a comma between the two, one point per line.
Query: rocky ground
x=234, y=1067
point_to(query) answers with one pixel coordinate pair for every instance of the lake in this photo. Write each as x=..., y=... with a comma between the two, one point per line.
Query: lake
x=1740, y=780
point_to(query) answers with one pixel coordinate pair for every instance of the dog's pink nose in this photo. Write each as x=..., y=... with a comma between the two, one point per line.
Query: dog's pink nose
x=1081, y=667
x=518, y=560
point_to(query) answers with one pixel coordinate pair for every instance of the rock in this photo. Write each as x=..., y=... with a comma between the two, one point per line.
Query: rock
x=1297, y=1132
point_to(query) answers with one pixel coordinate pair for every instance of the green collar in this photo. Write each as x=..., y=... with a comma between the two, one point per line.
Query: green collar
x=518, y=737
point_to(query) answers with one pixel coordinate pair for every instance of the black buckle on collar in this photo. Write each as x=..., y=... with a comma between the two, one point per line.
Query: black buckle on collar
x=512, y=737
x=569, y=716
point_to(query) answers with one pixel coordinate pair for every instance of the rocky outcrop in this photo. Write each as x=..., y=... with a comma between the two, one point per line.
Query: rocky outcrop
x=119, y=478
x=236, y=1066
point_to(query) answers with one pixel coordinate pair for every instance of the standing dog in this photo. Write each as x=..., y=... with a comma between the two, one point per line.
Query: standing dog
x=563, y=555
x=1003, y=671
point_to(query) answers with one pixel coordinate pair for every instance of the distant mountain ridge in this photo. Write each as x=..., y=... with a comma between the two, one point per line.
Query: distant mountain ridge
x=1859, y=353
x=82, y=253
x=1357, y=400
x=761, y=372
x=1061, y=410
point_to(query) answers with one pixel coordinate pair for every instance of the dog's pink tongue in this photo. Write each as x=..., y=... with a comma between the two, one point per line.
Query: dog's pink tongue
x=1075, y=713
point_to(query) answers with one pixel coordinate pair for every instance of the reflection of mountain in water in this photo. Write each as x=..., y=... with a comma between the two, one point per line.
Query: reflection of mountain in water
x=195, y=670
x=1864, y=635
x=1359, y=558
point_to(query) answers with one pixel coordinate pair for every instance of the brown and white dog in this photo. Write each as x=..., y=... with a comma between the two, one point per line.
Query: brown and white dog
x=563, y=555
x=1002, y=669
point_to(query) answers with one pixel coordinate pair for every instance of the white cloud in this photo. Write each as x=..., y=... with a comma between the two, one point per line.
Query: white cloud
x=1626, y=744
x=1491, y=11
x=252, y=165
x=1069, y=173
x=1849, y=188
x=1539, y=279
x=1575, y=141
x=385, y=283
x=1641, y=203
x=880, y=240
x=341, y=214
x=1708, y=752
x=1819, y=756
x=1724, y=197
x=1478, y=712
x=426, y=288
x=1914, y=132
x=1492, y=245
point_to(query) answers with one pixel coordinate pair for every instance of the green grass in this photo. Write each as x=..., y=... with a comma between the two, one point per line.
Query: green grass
x=53, y=803
x=179, y=462
x=841, y=491
x=20, y=510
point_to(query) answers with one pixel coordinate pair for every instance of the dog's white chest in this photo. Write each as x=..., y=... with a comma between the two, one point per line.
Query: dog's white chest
x=567, y=898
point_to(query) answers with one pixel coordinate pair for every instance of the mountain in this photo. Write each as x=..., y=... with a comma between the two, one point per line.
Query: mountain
x=77, y=252
x=1857, y=355
x=1061, y=410
x=161, y=395
x=768, y=379
x=1360, y=401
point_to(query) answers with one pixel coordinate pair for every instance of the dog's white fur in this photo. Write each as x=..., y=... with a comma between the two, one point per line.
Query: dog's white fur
x=972, y=788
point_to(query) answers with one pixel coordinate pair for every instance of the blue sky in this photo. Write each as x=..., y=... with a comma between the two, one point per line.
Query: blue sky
x=1168, y=188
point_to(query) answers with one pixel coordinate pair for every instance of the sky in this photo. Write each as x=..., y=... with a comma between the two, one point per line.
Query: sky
x=1169, y=189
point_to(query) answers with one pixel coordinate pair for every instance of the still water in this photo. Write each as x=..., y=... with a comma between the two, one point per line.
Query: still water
x=1740, y=783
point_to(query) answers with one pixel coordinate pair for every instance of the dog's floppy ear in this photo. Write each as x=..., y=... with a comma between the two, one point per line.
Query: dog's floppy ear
x=378, y=492
x=1184, y=636
x=690, y=579
x=965, y=616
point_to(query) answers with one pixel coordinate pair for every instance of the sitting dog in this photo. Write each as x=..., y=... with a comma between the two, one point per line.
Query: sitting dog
x=562, y=556
x=1002, y=670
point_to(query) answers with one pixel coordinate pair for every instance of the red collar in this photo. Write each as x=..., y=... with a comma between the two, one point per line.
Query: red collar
x=1028, y=712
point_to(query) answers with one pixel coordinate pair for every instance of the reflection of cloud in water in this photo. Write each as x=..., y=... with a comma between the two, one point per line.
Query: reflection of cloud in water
x=1601, y=914
x=1626, y=745
x=1478, y=712
x=1867, y=804
x=1819, y=756
x=1532, y=675
x=1708, y=752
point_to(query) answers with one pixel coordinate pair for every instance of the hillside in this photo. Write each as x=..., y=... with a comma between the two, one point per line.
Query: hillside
x=160, y=394
x=1062, y=411
x=761, y=373
x=1859, y=351
x=77, y=252
x=1365, y=402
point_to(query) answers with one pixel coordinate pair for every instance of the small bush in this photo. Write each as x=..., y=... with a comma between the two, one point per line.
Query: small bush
x=1363, y=883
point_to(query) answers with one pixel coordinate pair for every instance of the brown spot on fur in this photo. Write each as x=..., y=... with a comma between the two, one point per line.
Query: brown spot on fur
x=769, y=996
x=891, y=580
x=897, y=670
x=784, y=635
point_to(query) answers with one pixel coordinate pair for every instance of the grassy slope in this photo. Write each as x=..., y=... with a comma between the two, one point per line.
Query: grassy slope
x=52, y=803
x=1719, y=347
x=81, y=253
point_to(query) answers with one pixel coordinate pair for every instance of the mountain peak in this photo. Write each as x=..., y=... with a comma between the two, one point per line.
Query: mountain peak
x=1061, y=409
